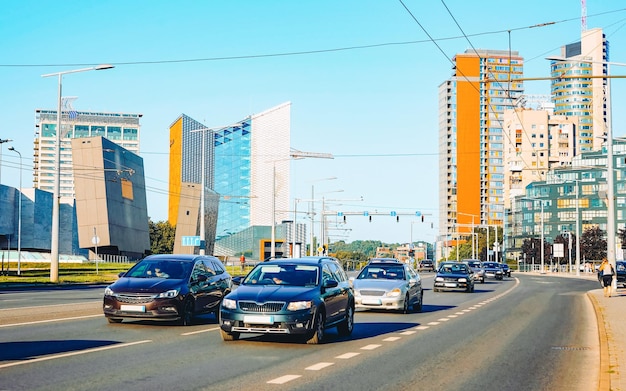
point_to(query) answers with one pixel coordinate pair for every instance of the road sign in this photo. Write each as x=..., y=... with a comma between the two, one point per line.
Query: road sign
x=339, y=214
x=394, y=213
x=365, y=214
x=418, y=213
x=191, y=241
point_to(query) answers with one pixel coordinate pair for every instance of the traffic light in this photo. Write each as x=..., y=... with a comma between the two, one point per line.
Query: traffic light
x=422, y=218
x=411, y=253
x=370, y=219
x=397, y=219
x=344, y=218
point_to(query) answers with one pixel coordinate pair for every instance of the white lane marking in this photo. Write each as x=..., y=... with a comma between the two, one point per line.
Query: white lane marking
x=422, y=327
x=55, y=356
x=407, y=332
x=51, y=305
x=466, y=310
x=443, y=320
x=319, y=366
x=284, y=379
x=370, y=347
x=391, y=339
x=50, y=320
x=459, y=313
x=200, y=331
x=452, y=316
x=346, y=356
x=433, y=323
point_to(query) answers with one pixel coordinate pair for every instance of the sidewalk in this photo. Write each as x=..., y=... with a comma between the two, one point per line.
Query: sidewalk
x=611, y=316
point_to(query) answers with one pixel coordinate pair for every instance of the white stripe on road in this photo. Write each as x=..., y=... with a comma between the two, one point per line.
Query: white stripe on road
x=283, y=379
x=391, y=339
x=422, y=327
x=200, y=331
x=319, y=366
x=50, y=320
x=443, y=320
x=433, y=323
x=346, y=356
x=370, y=347
x=408, y=332
x=55, y=356
x=50, y=305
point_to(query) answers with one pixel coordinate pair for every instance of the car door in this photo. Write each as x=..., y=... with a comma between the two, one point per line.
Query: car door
x=332, y=296
x=198, y=285
x=414, y=289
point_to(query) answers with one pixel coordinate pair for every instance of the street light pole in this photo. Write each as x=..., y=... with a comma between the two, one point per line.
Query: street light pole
x=2, y=141
x=542, y=245
x=56, y=197
x=19, y=217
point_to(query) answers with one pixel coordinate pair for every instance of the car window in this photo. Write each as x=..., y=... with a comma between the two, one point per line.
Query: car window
x=288, y=274
x=412, y=274
x=210, y=268
x=198, y=270
x=217, y=266
x=327, y=274
x=338, y=274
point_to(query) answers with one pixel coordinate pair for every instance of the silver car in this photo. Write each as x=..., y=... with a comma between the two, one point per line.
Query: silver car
x=388, y=285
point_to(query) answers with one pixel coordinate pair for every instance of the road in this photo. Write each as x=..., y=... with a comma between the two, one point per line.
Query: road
x=524, y=333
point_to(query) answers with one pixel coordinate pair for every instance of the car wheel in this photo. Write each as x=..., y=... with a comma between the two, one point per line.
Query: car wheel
x=229, y=336
x=114, y=320
x=345, y=328
x=405, y=307
x=435, y=289
x=318, y=329
x=186, y=318
x=418, y=306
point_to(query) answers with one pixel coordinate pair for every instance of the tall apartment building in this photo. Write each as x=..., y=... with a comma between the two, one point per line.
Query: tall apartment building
x=581, y=87
x=247, y=165
x=472, y=103
x=536, y=141
x=121, y=128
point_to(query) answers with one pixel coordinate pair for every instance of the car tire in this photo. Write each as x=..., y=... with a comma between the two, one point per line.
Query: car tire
x=229, y=336
x=418, y=306
x=318, y=329
x=114, y=320
x=186, y=318
x=406, y=308
x=345, y=328
x=435, y=289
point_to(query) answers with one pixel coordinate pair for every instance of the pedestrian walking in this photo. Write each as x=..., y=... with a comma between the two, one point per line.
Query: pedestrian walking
x=242, y=260
x=607, y=272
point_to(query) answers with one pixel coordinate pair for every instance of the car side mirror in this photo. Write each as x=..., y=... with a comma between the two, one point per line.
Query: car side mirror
x=237, y=280
x=330, y=284
x=202, y=278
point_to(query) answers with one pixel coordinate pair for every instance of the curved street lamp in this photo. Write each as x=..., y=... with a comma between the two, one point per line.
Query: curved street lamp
x=19, y=218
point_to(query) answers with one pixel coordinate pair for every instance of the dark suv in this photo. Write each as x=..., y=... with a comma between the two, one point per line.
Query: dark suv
x=293, y=296
x=426, y=265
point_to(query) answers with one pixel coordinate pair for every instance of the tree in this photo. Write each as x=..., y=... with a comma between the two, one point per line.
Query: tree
x=593, y=244
x=532, y=251
x=162, y=236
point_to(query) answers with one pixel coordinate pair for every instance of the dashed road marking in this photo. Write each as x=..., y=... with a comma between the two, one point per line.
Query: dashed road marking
x=452, y=316
x=318, y=366
x=443, y=320
x=391, y=339
x=422, y=327
x=284, y=379
x=201, y=331
x=346, y=356
x=433, y=323
x=407, y=332
x=371, y=347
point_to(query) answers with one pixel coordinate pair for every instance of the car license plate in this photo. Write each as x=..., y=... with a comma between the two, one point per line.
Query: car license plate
x=371, y=302
x=258, y=319
x=451, y=284
x=133, y=308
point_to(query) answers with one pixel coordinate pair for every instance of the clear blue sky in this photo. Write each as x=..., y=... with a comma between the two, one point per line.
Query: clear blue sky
x=362, y=76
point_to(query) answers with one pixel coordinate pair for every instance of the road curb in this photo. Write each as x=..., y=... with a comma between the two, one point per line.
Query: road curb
x=604, y=378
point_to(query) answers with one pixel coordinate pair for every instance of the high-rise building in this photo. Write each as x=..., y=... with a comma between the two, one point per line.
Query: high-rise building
x=579, y=87
x=247, y=164
x=484, y=84
x=122, y=129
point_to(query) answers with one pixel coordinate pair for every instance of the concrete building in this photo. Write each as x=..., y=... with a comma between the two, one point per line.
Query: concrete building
x=472, y=103
x=122, y=129
x=247, y=165
x=111, y=207
x=536, y=141
x=581, y=87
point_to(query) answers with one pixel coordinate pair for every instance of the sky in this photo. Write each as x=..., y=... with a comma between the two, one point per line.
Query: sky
x=362, y=77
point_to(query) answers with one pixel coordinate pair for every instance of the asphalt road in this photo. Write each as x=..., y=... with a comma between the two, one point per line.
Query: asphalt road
x=524, y=333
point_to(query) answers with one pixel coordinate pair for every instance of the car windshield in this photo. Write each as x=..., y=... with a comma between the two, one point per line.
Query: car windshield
x=390, y=272
x=452, y=268
x=287, y=274
x=474, y=264
x=491, y=265
x=169, y=269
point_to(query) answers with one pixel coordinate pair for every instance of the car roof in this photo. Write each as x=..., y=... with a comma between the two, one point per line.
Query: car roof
x=179, y=257
x=384, y=260
x=310, y=260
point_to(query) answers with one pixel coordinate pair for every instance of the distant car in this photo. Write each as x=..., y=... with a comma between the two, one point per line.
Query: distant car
x=388, y=286
x=493, y=270
x=168, y=287
x=620, y=272
x=477, y=268
x=384, y=260
x=506, y=269
x=454, y=276
x=426, y=265
x=290, y=296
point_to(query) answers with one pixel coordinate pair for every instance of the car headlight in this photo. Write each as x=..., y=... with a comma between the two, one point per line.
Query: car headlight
x=168, y=294
x=229, y=303
x=394, y=292
x=108, y=291
x=439, y=279
x=462, y=279
x=299, y=305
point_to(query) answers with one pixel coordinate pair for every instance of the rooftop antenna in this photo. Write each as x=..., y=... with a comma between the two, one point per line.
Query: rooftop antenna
x=583, y=16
